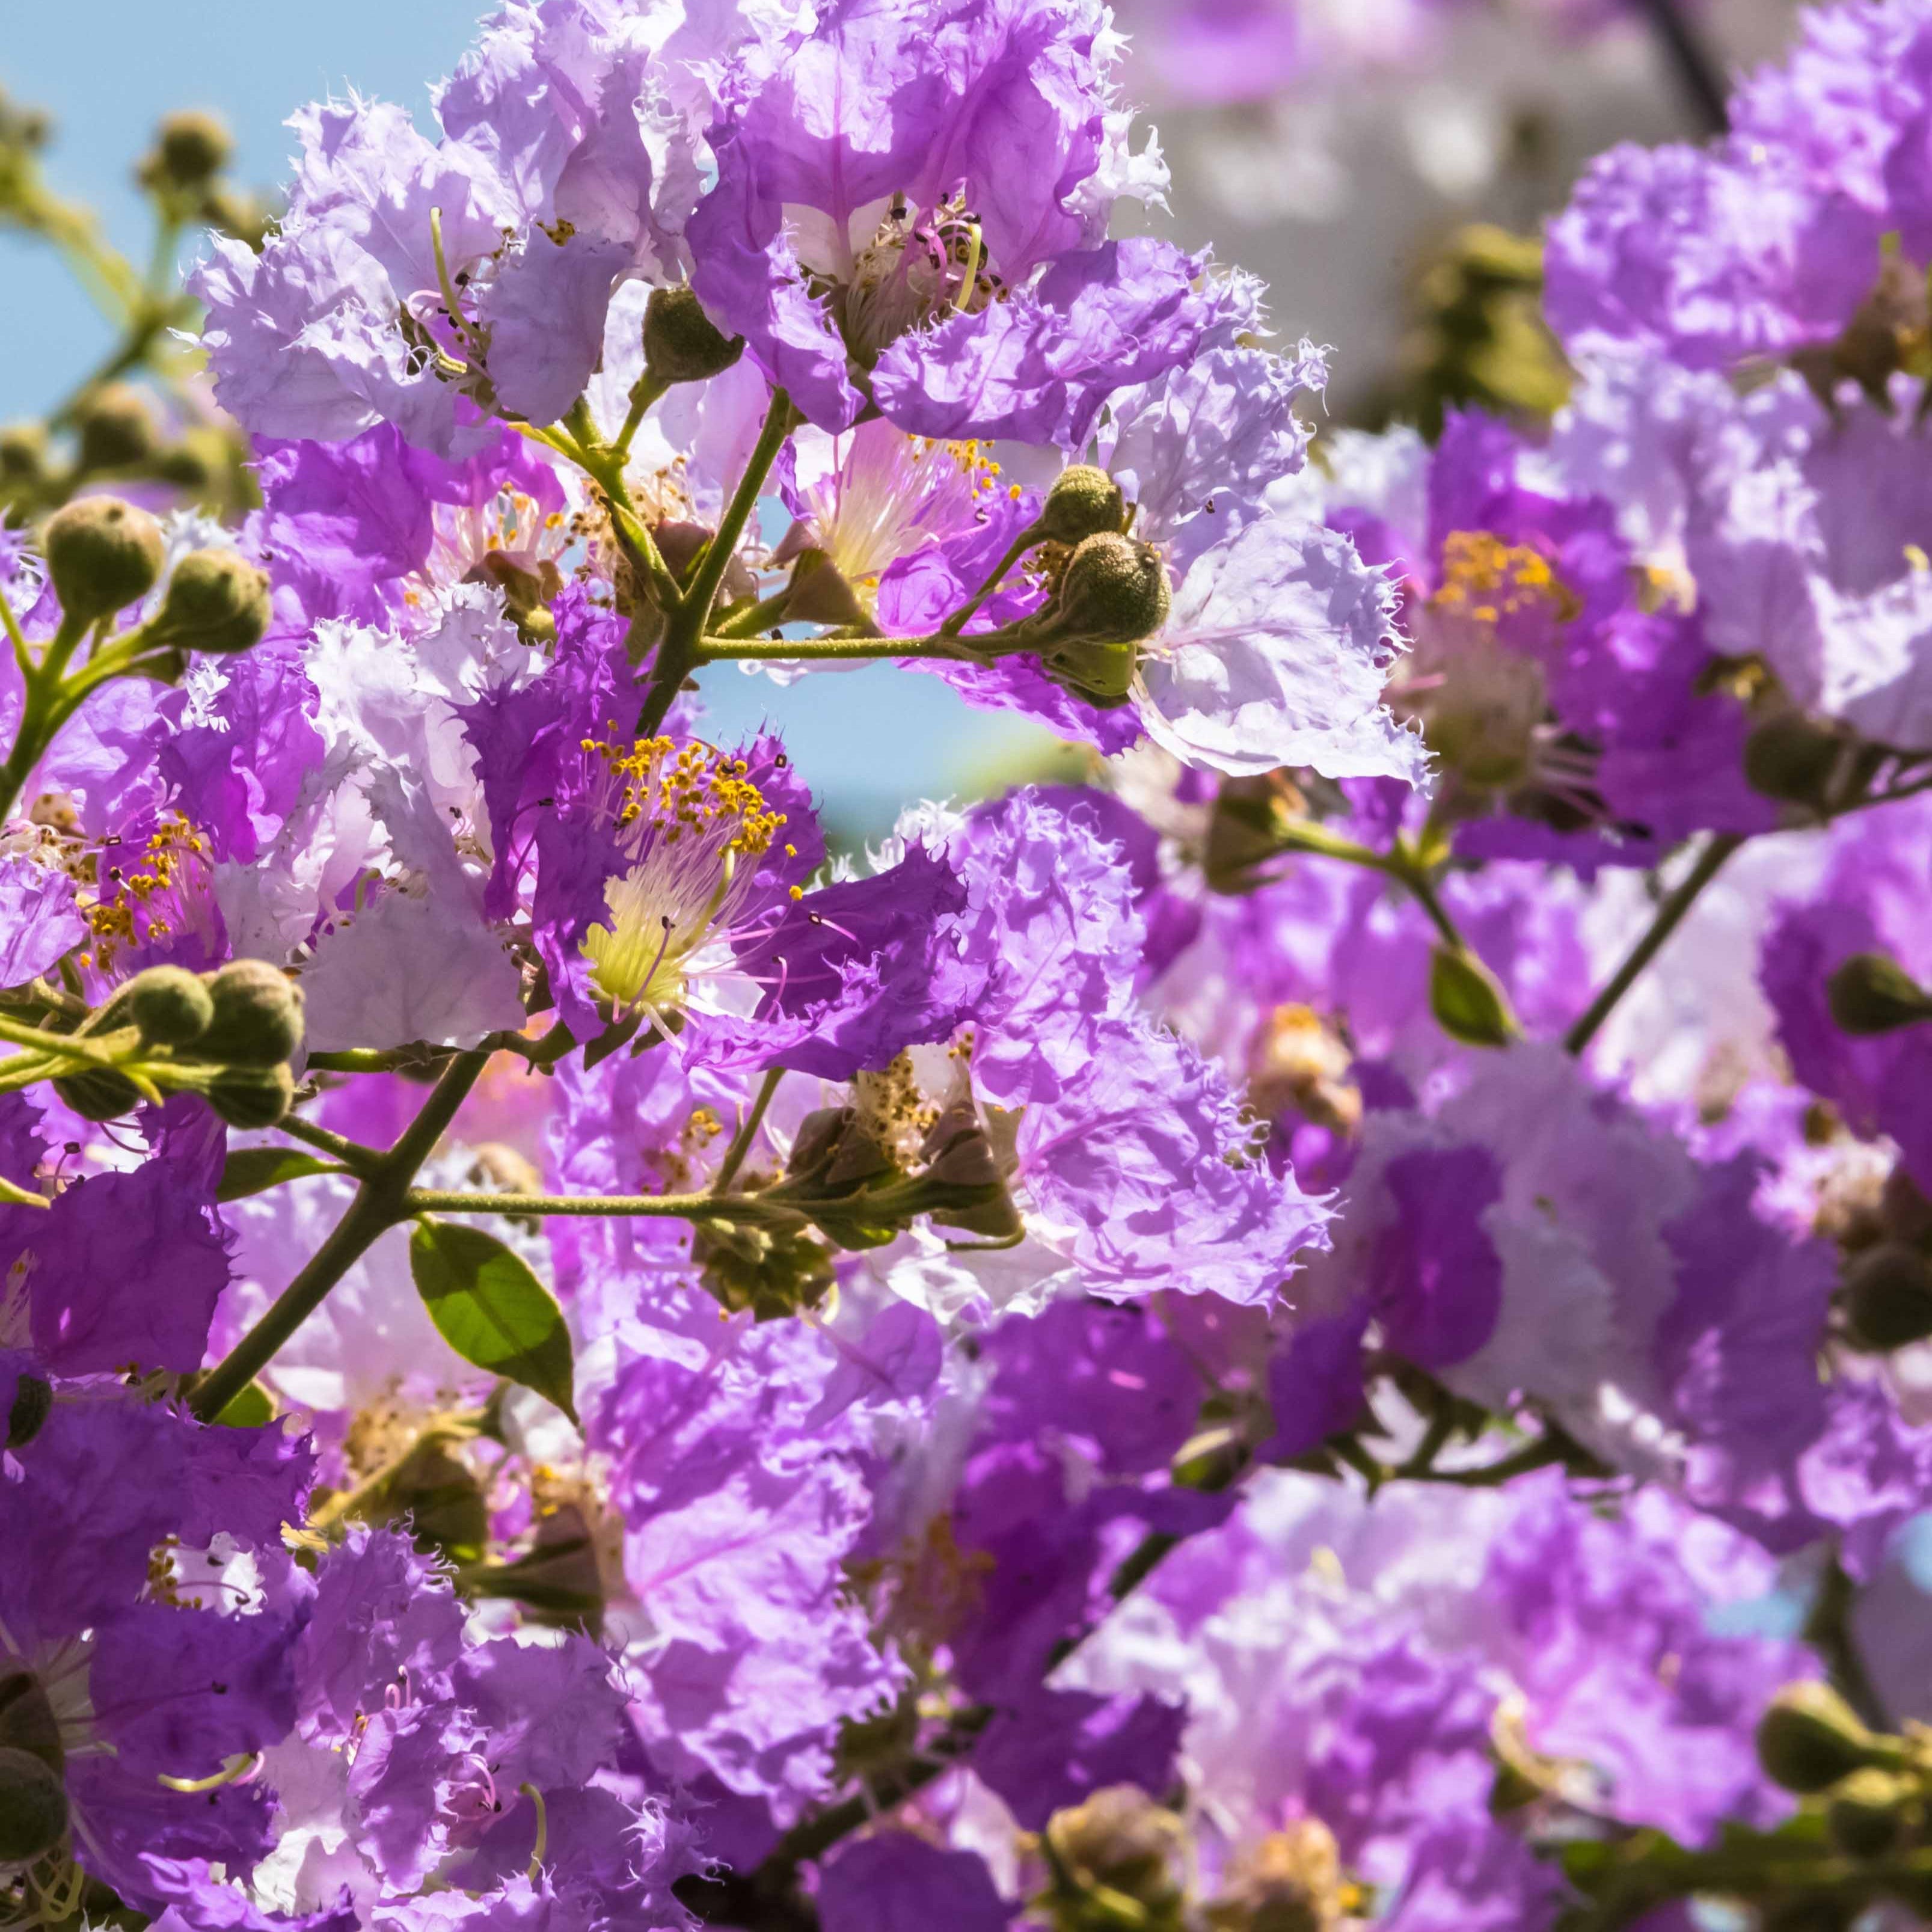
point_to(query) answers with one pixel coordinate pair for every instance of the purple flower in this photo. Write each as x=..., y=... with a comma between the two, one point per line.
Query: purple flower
x=892, y=1882
x=39, y=918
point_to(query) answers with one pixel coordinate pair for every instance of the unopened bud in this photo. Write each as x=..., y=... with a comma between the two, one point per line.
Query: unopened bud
x=1114, y=591
x=257, y=1019
x=1291, y=1882
x=33, y=1402
x=117, y=428
x=102, y=555
x=170, y=1006
x=1102, y=674
x=251, y=1096
x=1468, y=1001
x=100, y=1094
x=1867, y=1815
x=23, y=452
x=1121, y=1839
x=1084, y=501
x=1871, y=994
x=27, y=1722
x=33, y=1807
x=1810, y=1737
x=216, y=601
x=1795, y=759
x=1889, y=1297
x=191, y=149
x=682, y=344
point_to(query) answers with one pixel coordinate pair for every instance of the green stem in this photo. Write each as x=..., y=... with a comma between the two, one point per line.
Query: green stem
x=1669, y=917
x=783, y=650
x=1418, y=882
x=748, y=620
x=962, y=617
x=380, y=1204
x=644, y=391
x=353, y=1154
x=747, y=1130
x=681, y=648
x=672, y=1207
x=366, y=1060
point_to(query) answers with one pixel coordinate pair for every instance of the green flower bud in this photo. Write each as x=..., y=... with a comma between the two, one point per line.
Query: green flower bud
x=1867, y=1814
x=99, y=1094
x=1468, y=1002
x=117, y=428
x=1871, y=994
x=33, y=1807
x=1889, y=1296
x=170, y=1006
x=23, y=453
x=1810, y=1737
x=1103, y=674
x=1115, y=591
x=33, y=1402
x=102, y=555
x=1119, y=1842
x=191, y=149
x=682, y=344
x=1795, y=759
x=251, y=1096
x=217, y=601
x=257, y=1019
x=1083, y=502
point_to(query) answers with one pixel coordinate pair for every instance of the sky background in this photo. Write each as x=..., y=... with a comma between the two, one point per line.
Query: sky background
x=107, y=70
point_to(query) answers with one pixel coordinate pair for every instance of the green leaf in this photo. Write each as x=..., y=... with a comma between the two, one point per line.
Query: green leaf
x=251, y=1170
x=491, y=1309
x=1469, y=1004
x=249, y=1408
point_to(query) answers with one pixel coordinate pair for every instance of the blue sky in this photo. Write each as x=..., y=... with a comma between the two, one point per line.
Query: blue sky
x=108, y=69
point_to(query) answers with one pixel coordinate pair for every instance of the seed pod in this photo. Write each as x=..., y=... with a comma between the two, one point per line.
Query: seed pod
x=1084, y=501
x=117, y=428
x=1810, y=1737
x=252, y=1097
x=99, y=1094
x=33, y=1807
x=102, y=555
x=1114, y=591
x=1794, y=759
x=1871, y=994
x=170, y=1006
x=257, y=1018
x=1468, y=1002
x=682, y=344
x=1867, y=1815
x=191, y=149
x=1889, y=1296
x=216, y=601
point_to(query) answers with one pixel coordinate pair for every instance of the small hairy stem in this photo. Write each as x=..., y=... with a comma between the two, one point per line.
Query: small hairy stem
x=748, y=1131
x=1669, y=915
x=680, y=650
x=353, y=1154
x=962, y=617
x=782, y=650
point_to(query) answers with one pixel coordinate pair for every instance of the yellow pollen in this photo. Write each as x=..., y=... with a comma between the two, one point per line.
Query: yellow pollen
x=1487, y=580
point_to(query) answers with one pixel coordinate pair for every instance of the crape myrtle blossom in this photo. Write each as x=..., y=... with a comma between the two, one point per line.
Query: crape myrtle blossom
x=1328, y=1328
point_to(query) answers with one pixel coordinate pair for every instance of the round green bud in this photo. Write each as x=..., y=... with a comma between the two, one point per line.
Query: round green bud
x=27, y=1719
x=23, y=452
x=170, y=1006
x=1115, y=591
x=98, y=1095
x=1871, y=994
x=1794, y=759
x=102, y=555
x=186, y=466
x=1810, y=1737
x=1102, y=673
x=1866, y=1816
x=217, y=601
x=252, y=1097
x=682, y=344
x=1121, y=1839
x=191, y=149
x=33, y=1807
x=1889, y=1296
x=257, y=1019
x=1084, y=501
x=33, y=1403
x=117, y=428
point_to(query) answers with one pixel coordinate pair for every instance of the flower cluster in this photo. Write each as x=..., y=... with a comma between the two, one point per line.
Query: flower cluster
x=1328, y=1327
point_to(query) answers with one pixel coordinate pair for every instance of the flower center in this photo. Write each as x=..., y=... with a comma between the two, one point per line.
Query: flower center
x=687, y=818
x=917, y=267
